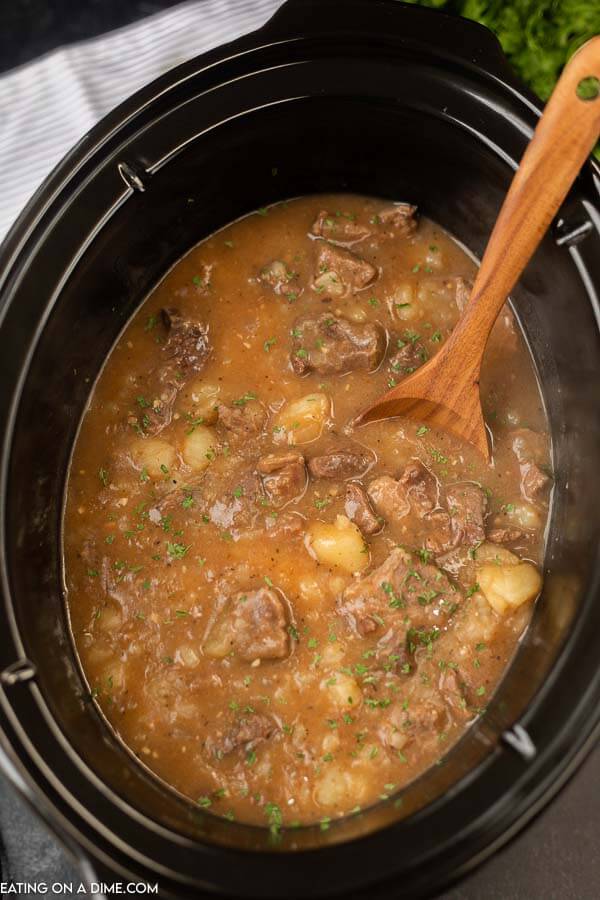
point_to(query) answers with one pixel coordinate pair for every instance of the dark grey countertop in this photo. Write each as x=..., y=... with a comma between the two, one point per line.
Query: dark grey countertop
x=558, y=856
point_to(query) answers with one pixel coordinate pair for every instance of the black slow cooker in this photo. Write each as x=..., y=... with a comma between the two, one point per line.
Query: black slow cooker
x=370, y=96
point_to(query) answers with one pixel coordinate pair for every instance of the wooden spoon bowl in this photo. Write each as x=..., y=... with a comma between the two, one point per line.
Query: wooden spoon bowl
x=445, y=391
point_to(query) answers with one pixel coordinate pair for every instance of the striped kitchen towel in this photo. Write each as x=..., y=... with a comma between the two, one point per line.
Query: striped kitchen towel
x=46, y=106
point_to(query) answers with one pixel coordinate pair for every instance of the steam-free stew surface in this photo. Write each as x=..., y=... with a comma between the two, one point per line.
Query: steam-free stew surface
x=283, y=617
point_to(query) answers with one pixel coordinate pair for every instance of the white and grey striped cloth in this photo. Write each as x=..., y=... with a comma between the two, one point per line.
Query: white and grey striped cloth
x=46, y=106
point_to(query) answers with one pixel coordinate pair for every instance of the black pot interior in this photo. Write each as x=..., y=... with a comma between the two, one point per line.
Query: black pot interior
x=434, y=139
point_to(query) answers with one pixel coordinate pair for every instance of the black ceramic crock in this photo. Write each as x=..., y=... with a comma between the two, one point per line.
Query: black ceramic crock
x=369, y=96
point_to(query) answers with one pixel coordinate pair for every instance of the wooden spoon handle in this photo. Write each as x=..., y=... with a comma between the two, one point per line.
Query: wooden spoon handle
x=563, y=139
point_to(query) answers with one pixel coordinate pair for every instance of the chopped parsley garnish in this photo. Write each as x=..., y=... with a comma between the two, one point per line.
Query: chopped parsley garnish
x=241, y=401
x=424, y=555
x=194, y=422
x=274, y=817
x=177, y=551
x=437, y=456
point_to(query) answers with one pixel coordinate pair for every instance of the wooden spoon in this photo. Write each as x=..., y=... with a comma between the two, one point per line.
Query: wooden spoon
x=445, y=391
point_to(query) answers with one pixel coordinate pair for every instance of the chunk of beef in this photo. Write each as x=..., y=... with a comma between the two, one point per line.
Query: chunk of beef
x=457, y=692
x=420, y=486
x=340, y=271
x=389, y=498
x=395, y=221
x=187, y=345
x=415, y=491
x=331, y=345
x=339, y=228
x=530, y=449
x=287, y=526
x=184, y=353
x=284, y=476
x=159, y=413
x=410, y=356
x=171, y=497
x=231, y=499
x=244, y=733
x=358, y=509
x=253, y=625
x=399, y=588
x=281, y=279
x=392, y=650
x=424, y=716
x=462, y=292
x=440, y=536
x=244, y=419
x=534, y=482
x=340, y=463
x=421, y=720
x=467, y=505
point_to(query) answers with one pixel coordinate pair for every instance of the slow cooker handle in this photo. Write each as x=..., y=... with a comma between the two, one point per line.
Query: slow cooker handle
x=431, y=30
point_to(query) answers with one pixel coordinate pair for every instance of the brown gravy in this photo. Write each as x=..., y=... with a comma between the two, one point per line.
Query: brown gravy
x=283, y=618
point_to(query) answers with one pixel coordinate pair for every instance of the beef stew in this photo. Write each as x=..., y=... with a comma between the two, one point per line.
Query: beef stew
x=285, y=617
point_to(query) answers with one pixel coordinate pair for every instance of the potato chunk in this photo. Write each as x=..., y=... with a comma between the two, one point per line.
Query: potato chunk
x=204, y=398
x=153, y=456
x=198, y=448
x=508, y=587
x=302, y=420
x=343, y=691
x=339, y=544
x=525, y=515
x=339, y=788
x=113, y=678
x=187, y=655
x=495, y=555
x=402, y=303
